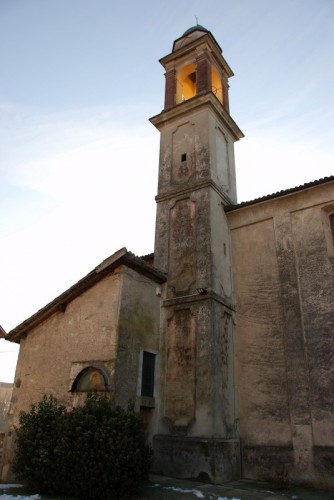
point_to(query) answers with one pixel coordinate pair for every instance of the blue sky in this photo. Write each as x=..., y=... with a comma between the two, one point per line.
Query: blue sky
x=79, y=159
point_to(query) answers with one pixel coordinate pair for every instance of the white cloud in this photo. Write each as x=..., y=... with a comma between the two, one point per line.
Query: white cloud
x=266, y=165
x=94, y=194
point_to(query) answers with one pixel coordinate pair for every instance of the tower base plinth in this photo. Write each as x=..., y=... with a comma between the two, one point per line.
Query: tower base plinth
x=212, y=460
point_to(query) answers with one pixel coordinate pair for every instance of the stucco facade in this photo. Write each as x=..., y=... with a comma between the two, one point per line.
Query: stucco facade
x=284, y=280
x=5, y=398
x=223, y=338
x=103, y=323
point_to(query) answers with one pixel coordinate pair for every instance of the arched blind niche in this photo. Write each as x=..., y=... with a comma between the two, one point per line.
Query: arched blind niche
x=90, y=379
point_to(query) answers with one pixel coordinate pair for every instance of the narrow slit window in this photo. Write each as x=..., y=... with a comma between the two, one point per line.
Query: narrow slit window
x=184, y=157
x=147, y=381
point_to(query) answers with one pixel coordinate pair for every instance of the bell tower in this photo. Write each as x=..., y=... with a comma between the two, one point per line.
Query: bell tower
x=196, y=429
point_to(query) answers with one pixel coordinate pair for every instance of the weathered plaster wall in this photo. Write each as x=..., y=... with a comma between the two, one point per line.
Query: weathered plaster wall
x=196, y=180
x=5, y=397
x=220, y=249
x=85, y=332
x=284, y=280
x=138, y=330
x=2, y=444
x=197, y=329
x=263, y=399
x=55, y=351
x=222, y=158
x=108, y=327
x=209, y=161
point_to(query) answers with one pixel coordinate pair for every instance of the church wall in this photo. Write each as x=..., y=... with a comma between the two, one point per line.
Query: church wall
x=220, y=247
x=222, y=161
x=284, y=281
x=316, y=276
x=263, y=399
x=55, y=351
x=138, y=331
x=5, y=396
x=184, y=153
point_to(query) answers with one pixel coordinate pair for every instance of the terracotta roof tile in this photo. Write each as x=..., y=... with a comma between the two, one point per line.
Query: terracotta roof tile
x=278, y=194
x=122, y=257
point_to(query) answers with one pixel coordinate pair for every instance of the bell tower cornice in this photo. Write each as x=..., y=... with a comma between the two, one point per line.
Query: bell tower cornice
x=198, y=102
x=205, y=45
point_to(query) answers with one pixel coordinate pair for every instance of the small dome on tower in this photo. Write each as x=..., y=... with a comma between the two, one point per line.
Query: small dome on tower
x=198, y=27
x=192, y=34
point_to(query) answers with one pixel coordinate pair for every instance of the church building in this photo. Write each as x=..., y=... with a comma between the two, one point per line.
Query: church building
x=223, y=337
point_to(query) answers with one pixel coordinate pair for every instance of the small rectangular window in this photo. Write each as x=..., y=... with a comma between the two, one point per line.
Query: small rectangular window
x=147, y=380
x=184, y=157
x=331, y=221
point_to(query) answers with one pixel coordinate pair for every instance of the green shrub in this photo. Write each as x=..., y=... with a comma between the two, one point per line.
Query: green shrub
x=93, y=451
x=36, y=440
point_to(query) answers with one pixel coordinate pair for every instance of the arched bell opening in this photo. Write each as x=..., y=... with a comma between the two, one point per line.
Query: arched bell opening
x=186, y=83
x=217, y=87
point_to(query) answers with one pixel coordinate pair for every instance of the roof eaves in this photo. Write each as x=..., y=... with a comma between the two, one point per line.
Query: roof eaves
x=147, y=257
x=60, y=303
x=140, y=265
x=278, y=194
x=2, y=333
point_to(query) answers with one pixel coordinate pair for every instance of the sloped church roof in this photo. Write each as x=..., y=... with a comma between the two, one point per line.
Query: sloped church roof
x=121, y=257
